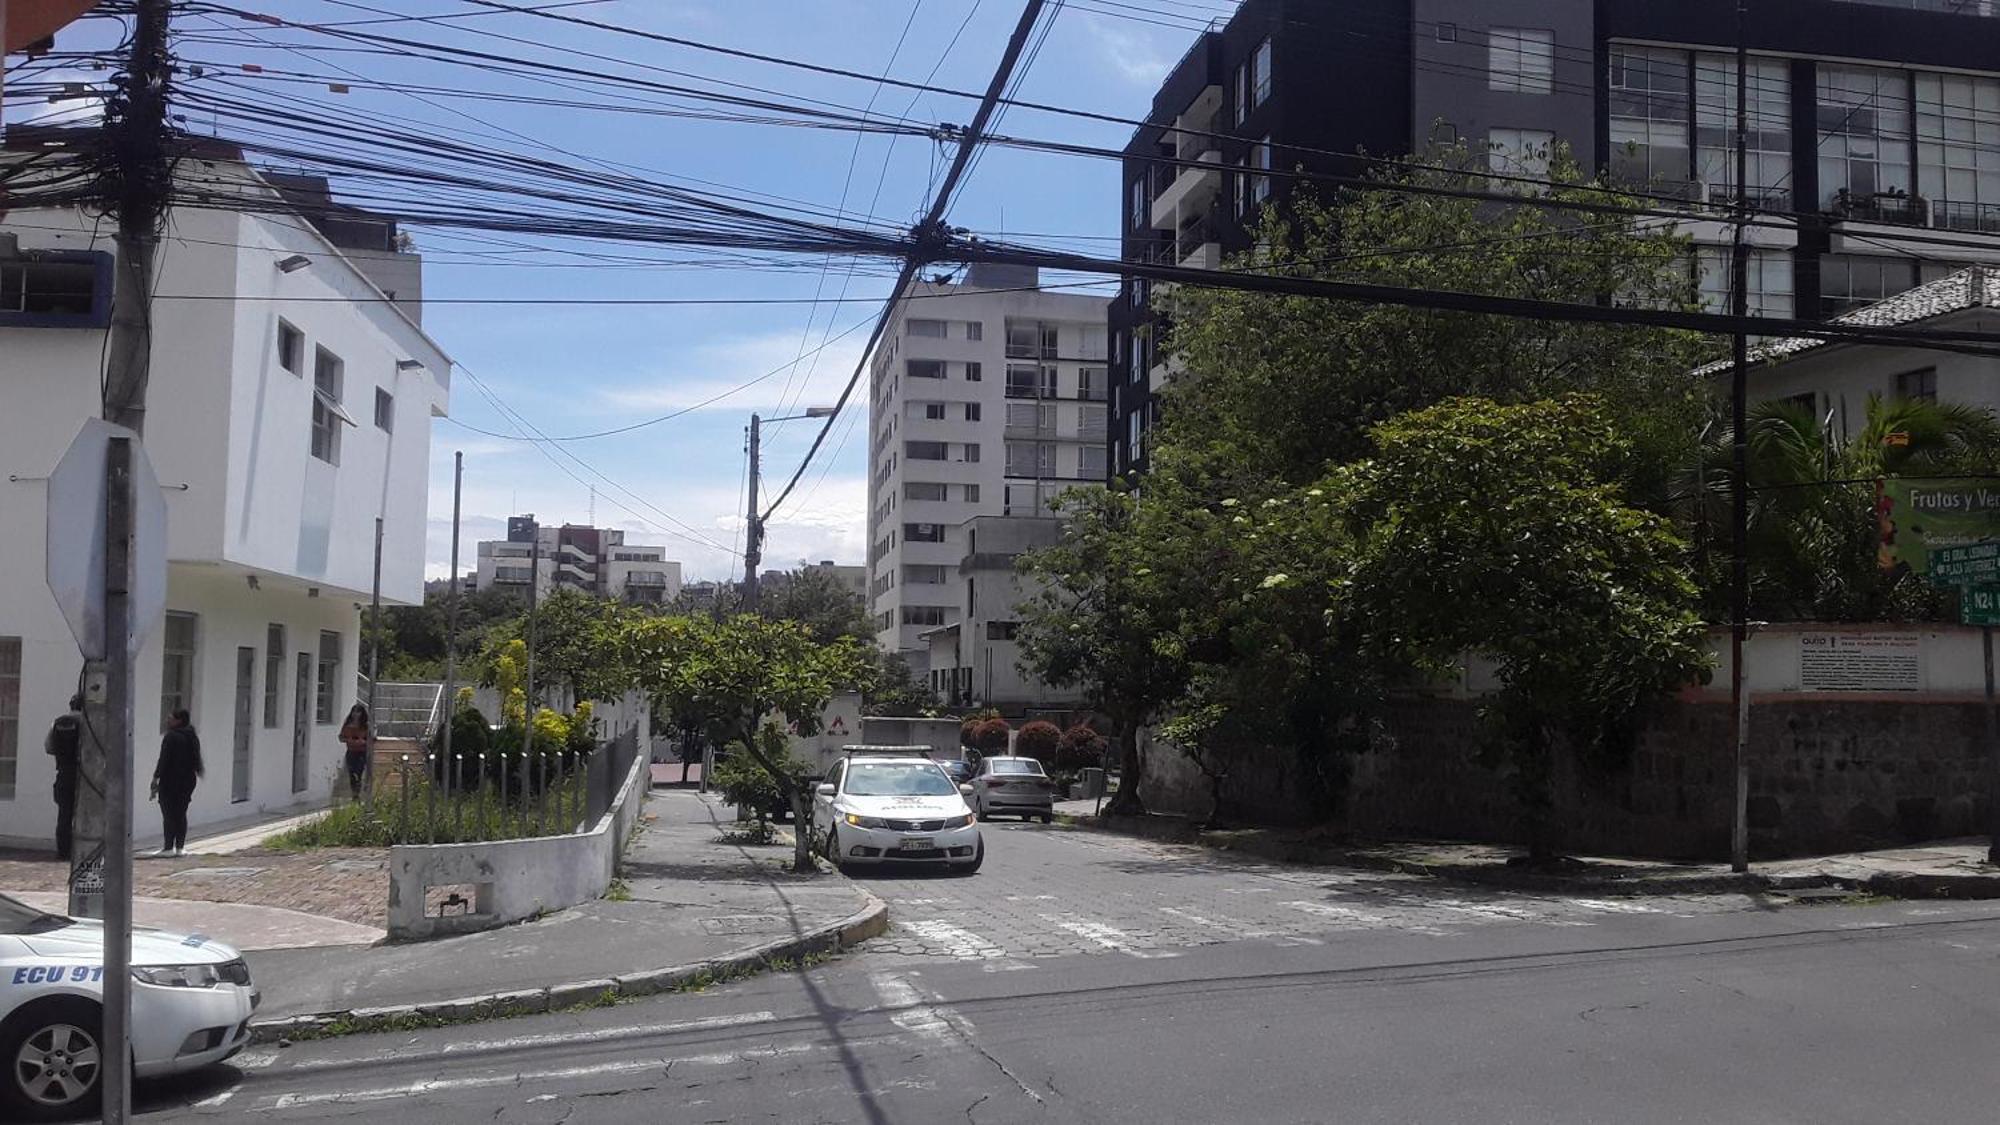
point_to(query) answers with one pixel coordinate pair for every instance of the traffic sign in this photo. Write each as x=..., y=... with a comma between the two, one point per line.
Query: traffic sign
x=75, y=549
x=1979, y=605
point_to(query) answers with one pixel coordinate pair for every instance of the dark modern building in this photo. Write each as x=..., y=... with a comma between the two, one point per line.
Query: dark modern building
x=1874, y=137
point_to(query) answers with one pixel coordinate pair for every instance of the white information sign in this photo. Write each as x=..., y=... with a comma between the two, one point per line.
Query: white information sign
x=1861, y=662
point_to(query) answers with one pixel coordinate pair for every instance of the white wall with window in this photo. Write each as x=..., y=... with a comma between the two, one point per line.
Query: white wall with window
x=1519, y=153
x=1521, y=60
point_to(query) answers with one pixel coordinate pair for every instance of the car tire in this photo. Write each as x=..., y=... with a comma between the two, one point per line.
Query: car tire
x=833, y=855
x=978, y=857
x=1048, y=818
x=53, y=1026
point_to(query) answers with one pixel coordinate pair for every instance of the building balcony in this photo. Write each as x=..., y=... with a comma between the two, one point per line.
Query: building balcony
x=1983, y=218
x=1895, y=208
x=1193, y=189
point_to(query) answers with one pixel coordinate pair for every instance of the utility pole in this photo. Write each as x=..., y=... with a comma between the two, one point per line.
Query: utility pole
x=534, y=597
x=753, y=533
x=136, y=180
x=451, y=621
x=1739, y=561
x=374, y=666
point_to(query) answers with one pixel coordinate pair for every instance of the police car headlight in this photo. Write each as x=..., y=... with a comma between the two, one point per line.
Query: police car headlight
x=178, y=976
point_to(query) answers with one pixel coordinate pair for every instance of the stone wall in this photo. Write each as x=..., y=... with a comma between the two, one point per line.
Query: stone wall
x=1826, y=775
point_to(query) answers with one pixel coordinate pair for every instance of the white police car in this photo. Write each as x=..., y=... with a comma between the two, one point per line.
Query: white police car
x=191, y=1005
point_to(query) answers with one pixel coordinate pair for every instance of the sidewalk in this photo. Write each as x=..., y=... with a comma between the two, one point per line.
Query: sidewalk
x=1947, y=869
x=696, y=907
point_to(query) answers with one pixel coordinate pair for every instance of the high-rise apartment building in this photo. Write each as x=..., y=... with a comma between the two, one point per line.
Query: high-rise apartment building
x=987, y=397
x=592, y=560
x=1874, y=134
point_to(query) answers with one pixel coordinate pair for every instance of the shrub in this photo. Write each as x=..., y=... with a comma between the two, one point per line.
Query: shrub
x=1082, y=748
x=991, y=737
x=1038, y=740
x=968, y=731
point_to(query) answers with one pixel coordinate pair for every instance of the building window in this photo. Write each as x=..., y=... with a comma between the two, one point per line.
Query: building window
x=1447, y=33
x=177, y=666
x=1242, y=93
x=923, y=490
x=1139, y=202
x=56, y=289
x=1849, y=281
x=1958, y=149
x=1521, y=60
x=327, y=695
x=1091, y=384
x=1026, y=380
x=1520, y=153
x=922, y=574
x=1770, y=274
x=1031, y=339
x=1649, y=118
x=924, y=368
x=924, y=614
x=1091, y=423
x=291, y=348
x=1031, y=459
x=972, y=494
x=972, y=373
x=923, y=533
x=975, y=330
x=1260, y=74
x=1240, y=183
x=274, y=675
x=1920, y=384
x=385, y=410
x=1090, y=462
x=1002, y=630
x=971, y=451
x=926, y=450
x=10, y=715
x=972, y=412
x=1864, y=136
x=1260, y=159
x=1770, y=138
x=327, y=414
x=928, y=329
x=933, y=411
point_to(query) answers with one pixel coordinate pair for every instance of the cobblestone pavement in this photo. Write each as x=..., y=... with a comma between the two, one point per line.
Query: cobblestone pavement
x=351, y=884
x=1050, y=892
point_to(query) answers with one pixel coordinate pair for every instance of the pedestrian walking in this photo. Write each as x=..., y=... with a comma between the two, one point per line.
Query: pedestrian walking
x=174, y=779
x=354, y=734
x=64, y=742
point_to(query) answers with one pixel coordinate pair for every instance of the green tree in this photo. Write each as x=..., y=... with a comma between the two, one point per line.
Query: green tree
x=574, y=644
x=1503, y=531
x=815, y=600
x=1105, y=621
x=733, y=673
x=745, y=783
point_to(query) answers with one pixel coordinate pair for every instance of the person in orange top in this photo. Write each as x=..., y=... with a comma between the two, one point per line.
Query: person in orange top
x=354, y=734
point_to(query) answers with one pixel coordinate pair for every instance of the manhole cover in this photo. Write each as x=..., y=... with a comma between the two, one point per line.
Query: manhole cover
x=202, y=874
x=743, y=924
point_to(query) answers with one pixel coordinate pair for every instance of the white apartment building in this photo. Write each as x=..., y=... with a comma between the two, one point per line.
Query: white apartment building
x=976, y=660
x=290, y=406
x=987, y=399
x=592, y=560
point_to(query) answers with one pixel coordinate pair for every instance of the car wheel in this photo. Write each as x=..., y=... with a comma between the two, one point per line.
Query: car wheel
x=1048, y=818
x=53, y=1061
x=839, y=861
x=978, y=857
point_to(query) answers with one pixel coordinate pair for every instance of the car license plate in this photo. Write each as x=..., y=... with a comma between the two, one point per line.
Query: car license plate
x=918, y=844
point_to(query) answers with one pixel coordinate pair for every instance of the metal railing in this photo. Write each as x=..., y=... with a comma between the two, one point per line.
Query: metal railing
x=407, y=710
x=1981, y=217
x=421, y=796
x=1882, y=207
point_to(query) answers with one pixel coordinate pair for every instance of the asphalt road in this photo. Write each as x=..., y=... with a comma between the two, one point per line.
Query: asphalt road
x=1086, y=978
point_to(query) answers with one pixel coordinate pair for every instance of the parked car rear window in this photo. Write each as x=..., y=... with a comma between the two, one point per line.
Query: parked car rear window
x=1017, y=767
x=898, y=779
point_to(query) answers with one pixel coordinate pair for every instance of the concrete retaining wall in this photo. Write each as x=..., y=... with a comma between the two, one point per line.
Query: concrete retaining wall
x=508, y=881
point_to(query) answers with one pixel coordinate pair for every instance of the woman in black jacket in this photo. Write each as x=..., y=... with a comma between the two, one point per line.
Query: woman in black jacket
x=174, y=779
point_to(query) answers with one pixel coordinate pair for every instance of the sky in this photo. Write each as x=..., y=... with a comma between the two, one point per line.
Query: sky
x=579, y=368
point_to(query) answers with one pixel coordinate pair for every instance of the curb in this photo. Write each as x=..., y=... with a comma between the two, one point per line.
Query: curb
x=871, y=920
x=1902, y=885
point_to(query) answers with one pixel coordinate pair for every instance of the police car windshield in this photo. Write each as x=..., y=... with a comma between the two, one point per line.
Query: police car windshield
x=898, y=779
x=18, y=917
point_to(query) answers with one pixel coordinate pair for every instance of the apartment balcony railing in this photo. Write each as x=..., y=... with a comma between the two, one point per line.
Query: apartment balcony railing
x=1953, y=215
x=1897, y=208
x=1988, y=9
x=1031, y=432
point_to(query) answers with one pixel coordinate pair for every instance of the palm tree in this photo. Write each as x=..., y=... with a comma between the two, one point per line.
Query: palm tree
x=1812, y=532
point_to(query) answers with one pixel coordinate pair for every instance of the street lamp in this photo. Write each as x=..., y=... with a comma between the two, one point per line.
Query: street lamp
x=753, y=535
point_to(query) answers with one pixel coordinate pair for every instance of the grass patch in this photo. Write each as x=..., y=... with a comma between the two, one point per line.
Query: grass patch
x=618, y=891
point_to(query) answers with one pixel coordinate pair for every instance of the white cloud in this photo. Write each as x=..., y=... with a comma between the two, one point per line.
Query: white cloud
x=1141, y=56
x=715, y=371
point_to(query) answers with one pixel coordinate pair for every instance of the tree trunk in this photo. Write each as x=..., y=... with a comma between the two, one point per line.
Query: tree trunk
x=1215, y=781
x=1126, y=801
x=802, y=862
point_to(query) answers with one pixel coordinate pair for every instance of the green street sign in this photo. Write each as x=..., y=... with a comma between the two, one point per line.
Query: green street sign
x=1974, y=564
x=1979, y=605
